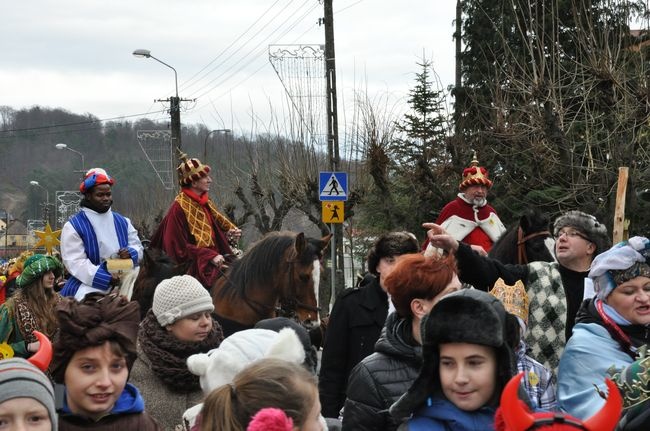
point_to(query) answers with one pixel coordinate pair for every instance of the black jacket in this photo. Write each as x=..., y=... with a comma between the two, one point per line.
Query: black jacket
x=380, y=379
x=354, y=326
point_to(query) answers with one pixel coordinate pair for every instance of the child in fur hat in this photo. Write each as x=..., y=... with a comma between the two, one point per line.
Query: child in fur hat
x=466, y=363
x=93, y=354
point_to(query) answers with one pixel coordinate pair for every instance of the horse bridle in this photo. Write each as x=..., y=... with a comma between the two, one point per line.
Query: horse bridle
x=289, y=305
x=286, y=307
x=522, y=258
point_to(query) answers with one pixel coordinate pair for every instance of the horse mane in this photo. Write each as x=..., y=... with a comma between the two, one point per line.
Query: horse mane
x=261, y=261
x=505, y=248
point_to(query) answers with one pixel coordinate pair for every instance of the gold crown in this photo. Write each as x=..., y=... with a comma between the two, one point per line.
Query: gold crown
x=514, y=298
x=475, y=175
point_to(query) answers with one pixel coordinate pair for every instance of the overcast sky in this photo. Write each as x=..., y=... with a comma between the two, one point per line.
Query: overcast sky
x=76, y=54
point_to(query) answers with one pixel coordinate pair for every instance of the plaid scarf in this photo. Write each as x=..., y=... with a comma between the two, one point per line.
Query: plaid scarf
x=200, y=213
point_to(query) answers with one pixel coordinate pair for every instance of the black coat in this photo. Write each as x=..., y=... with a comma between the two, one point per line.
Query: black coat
x=381, y=378
x=354, y=326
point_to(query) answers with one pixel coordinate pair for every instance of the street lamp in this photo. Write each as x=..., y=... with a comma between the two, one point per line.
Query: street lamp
x=205, y=142
x=61, y=146
x=46, y=209
x=174, y=102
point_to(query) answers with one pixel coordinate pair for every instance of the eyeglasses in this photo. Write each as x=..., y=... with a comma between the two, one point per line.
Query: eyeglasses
x=571, y=234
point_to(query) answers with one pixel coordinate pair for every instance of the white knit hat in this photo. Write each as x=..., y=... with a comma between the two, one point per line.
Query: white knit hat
x=179, y=297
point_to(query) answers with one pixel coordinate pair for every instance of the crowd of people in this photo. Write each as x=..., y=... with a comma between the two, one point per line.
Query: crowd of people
x=433, y=337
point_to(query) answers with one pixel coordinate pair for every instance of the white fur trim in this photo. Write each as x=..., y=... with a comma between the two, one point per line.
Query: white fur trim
x=287, y=346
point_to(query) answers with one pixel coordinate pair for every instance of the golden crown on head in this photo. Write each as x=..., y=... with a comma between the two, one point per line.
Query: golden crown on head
x=514, y=298
x=190, y=169
x=475, y=175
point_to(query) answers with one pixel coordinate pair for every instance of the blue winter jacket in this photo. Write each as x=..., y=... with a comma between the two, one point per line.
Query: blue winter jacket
x=441, y=415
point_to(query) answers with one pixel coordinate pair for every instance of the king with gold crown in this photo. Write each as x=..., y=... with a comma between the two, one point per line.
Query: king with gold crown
x=469, y=218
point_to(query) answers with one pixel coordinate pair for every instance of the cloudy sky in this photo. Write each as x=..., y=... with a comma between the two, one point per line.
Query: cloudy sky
x=77, y=54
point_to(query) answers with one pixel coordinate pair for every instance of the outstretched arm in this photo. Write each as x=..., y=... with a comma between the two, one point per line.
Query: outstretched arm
x=475, y=269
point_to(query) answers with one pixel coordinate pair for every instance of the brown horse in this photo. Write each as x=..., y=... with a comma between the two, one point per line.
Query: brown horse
x=278, y=276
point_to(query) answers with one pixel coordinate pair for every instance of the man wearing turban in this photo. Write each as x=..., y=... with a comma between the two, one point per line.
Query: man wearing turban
x=95, y=234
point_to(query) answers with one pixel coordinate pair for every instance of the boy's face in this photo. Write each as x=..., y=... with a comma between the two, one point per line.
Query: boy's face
x=467, y=374
x=94, y=380
x=24, y=414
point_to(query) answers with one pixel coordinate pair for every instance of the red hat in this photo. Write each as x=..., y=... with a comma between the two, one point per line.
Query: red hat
x=190, y=170
x=95, y=177
x=475, y=175
x=512, y=415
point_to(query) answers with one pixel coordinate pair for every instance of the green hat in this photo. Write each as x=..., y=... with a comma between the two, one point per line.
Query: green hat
x=36, y=266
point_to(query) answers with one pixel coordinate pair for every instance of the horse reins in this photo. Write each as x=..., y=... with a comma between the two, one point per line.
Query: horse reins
x=522, y=257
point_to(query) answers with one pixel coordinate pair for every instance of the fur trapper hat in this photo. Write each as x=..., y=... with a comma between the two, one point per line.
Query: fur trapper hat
x=389, y=245
x=467, y=316
x=587, y=224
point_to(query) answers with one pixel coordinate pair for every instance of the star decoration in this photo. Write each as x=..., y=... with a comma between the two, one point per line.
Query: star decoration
x=48, y=238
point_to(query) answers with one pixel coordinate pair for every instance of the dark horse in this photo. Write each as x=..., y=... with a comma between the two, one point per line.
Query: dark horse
x=156, y=266
x=529, y=240
x=278, y=276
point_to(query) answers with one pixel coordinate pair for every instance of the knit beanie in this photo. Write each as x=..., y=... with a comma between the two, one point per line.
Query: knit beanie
x=179, y=297
x=20, y=379
x=389, y=245
x=37, y=265
x=587, y=224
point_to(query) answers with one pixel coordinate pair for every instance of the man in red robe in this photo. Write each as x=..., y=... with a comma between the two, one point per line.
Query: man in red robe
x=193, y=231
x=469, y=218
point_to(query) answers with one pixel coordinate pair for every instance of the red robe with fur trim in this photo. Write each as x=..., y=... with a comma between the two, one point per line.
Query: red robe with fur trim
x=464, y=210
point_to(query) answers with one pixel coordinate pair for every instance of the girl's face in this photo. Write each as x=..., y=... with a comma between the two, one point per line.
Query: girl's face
x=312, y=423
x=48, y=280
x=467, y=374
x=384, y=268
x=195, y=327
x=24, y=414
x=94, y=380
x=632, y=300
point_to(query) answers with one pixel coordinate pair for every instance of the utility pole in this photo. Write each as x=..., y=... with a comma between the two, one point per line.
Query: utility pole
x=338, y=278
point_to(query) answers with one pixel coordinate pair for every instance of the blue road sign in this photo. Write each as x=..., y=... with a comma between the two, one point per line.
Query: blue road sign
x=333, y=186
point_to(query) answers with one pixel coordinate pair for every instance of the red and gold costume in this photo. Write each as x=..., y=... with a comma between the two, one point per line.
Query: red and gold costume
x=193, y=230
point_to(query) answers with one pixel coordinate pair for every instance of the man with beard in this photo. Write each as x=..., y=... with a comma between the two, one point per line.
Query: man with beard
x=95, y=234
x=469, y=218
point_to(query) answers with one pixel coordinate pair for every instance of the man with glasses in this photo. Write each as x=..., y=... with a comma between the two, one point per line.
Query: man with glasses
x=555, y=289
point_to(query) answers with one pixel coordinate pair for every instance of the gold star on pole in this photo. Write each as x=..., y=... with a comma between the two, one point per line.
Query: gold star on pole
x=48, y=238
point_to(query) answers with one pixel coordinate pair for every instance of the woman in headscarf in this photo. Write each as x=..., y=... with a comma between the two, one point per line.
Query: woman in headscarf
x=609, y=328
x=30, y=309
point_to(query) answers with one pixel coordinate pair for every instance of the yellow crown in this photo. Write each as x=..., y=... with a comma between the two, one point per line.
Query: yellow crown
x=514, y=298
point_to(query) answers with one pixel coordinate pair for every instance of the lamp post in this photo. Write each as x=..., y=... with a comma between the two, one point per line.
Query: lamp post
x=46, y=208
x=174, y=102
x=61, y=146
x=205, y=142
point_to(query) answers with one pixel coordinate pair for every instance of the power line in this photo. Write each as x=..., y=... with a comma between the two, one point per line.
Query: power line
x=77, y=123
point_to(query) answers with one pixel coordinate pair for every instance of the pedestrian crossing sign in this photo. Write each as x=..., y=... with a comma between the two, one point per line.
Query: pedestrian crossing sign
x=333, y=211
x=333, y=186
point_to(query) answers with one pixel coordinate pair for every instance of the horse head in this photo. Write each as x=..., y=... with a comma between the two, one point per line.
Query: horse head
x=299, y=296
x=528, y=240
